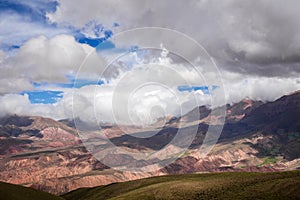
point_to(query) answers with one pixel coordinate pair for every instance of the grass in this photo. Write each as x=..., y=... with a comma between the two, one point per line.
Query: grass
x=268, y=161
x=16, y=192
x=230, y=185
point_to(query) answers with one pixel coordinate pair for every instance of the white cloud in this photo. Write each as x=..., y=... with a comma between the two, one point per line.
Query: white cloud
x=15, y=29
x=238, y=87
x=52, y=59
x=141, y=95
x=8, y=85
x=146, y=93
x=20, y=104
x=256, y=44
x=46, y=60
x=262, y=32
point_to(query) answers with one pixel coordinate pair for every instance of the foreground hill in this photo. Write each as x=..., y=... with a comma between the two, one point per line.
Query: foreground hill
x=16, y=192
x=236, y=185
x=229, y=185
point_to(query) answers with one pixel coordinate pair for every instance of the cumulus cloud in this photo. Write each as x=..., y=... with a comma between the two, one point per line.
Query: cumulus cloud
x=22, y=20
x=263, y=33
x=255, y=44
x=140, y=95
x=137, y=95
x=238, y=87
x=46, y=60
x=51, y=59
x=145, y=93
x=20, y=104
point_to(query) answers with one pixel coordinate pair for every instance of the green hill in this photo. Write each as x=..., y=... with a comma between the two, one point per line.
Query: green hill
x=17, y=192
x=230, y=185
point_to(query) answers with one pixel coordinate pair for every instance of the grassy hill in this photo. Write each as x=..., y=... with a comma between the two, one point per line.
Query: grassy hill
x=231, y=185
x=16, y=192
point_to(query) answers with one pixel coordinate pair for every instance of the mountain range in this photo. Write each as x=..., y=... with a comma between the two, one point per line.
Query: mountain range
x=49, y=155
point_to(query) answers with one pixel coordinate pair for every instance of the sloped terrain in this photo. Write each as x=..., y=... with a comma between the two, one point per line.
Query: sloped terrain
x=229, y=185
x=16, y=192
x=48, y=155
x=283, y=185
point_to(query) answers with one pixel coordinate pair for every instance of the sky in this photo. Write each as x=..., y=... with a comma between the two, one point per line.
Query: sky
x=67, y=59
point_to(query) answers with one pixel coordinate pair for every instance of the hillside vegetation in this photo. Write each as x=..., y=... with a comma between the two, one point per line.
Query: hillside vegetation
x=230, y=185
x=16, y=192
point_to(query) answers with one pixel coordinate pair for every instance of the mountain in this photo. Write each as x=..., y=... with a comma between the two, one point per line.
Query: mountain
x=29, y=133
x=48, y=155
x=280, y=115
x=265, y=138
x=281, y=185
x=237, y=111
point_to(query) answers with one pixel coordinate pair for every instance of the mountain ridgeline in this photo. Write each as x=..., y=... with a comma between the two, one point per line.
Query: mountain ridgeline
x=257, y=136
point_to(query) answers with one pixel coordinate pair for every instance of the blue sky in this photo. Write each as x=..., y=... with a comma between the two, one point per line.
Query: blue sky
x=39, y=96
x=204, y=89
x=28, y=19
x=43, y=97
x=22, y=20
x=43, y=41
x=24, y=14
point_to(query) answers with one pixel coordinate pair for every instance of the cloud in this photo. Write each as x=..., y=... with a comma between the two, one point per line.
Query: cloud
x=238, y=87
x=8, y=85
x=139, y=94
x=255, y=44
x=146, y=93
x=143, y=96
x=22, y=20
x=46, y=60
x=242, y=36
x=20, y=104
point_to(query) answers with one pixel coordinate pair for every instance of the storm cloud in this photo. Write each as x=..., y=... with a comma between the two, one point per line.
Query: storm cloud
x=255, y=44
x=260, y=37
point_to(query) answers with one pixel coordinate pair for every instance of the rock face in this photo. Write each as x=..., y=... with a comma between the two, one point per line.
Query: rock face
x=239, y=155
x=48, y=155
x=61, y=170
x=282, y=114
x=26, y=134
x=238, y=111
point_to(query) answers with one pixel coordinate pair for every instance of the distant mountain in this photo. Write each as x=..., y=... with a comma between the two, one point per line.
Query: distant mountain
x=238, y=111
x=264, y=134
x=48, y=155
x=28, y=133
x=280, y=115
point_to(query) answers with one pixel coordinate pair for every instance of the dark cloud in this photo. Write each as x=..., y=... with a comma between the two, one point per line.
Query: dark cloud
x=262, y=33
